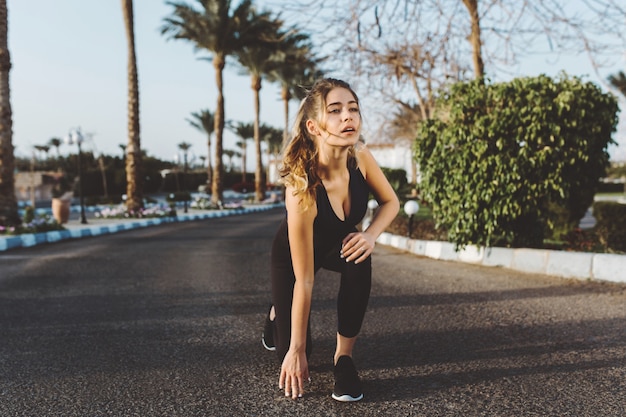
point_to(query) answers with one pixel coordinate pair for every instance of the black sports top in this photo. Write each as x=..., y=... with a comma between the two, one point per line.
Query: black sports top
x=328, y=229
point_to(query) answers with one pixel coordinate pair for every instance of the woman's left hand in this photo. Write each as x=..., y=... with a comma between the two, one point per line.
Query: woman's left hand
x=357, y=246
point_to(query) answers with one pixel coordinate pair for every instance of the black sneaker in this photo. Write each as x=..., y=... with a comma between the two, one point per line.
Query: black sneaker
x=347, y=382
x=267, y=337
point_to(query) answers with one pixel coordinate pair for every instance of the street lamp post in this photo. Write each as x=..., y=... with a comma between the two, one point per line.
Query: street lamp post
x=184, y=147
x=76, y=137
x=410, y=208
x=185, y=179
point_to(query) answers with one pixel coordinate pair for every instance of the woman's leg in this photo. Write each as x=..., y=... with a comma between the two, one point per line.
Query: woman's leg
x=354, y=292
x=352, y=300
x=344, y=347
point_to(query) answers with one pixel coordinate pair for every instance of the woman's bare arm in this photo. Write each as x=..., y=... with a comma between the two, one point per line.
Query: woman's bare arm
x=294, y=370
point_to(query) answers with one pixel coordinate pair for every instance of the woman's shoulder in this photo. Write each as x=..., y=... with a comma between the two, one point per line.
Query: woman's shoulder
x=364, y=158
x=297, y=206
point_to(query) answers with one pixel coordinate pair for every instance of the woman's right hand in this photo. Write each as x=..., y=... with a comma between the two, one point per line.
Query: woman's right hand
x=293, y=373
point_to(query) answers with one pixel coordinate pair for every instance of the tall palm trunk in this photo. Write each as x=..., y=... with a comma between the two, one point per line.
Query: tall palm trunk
x=474, y=38
x=8, y=203
x=286, y=96
x=209, y=165
x=244, y=159
x=259, y=184
x=134, y=179
x=217, y=187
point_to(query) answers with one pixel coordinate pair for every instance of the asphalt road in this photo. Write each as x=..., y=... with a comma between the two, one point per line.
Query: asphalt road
x=166, y=321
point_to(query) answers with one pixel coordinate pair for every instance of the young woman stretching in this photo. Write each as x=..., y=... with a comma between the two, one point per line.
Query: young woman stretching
x=328, y=176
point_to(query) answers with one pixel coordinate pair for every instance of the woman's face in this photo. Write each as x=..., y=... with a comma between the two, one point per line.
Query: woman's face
x=341, y=118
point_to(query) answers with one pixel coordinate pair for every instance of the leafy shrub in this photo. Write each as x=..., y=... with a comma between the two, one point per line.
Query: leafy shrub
x=499, y=156
x=121, y=212
x=29, y=214
x=204, y=203
x=397, y=179
x=579, y=240
x=38, y=224
x=611, y=225
x=422, y=229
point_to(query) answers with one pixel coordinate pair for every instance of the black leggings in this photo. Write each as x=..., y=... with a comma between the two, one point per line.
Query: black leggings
x=354, y=292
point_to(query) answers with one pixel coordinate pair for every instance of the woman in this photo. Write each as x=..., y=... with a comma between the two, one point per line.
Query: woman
x=328, y=174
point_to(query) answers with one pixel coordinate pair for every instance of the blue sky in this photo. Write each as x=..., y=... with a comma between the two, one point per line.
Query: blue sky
x=69, y=70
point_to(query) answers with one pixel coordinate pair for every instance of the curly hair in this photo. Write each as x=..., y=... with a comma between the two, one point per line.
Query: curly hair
x=299, y=166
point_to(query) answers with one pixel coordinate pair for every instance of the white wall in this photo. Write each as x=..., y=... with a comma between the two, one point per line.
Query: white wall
x=393, y=156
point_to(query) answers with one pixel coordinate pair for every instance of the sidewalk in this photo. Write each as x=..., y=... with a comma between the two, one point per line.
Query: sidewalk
x=101, y=226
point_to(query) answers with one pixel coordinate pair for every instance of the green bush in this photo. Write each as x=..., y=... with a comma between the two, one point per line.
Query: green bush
x=35, y=224
x=579, y=240
x=397, y=179
x=500, y=158
x=611, y=225
x=29, y=214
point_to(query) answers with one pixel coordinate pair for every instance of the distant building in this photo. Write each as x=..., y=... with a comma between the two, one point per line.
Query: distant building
x=34, y=186
x=395, y=156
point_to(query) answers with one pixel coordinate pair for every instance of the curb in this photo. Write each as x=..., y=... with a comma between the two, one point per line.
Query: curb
x=578, y=265
x=75, y=232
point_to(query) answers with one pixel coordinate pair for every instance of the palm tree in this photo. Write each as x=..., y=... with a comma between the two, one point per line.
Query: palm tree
x=294, y=66
x=8, y=203
x=220, y=30
x=274, y=139
x=257, y=60
x=134, y=183
x=204, y=121
x=619, y=81
x=243, y=145
x=43, y=149
x=184, y=146
x=230, y=154
x=56, y=143
x=245, y=131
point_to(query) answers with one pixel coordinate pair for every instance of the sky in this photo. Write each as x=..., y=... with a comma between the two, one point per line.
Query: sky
x=69, y=62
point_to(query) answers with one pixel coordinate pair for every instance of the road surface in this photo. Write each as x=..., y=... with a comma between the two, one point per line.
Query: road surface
x=166, y=321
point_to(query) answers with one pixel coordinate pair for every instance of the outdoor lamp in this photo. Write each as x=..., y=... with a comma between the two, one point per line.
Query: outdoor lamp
x=75, y=136
x=371, y=206
x=410, y=208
